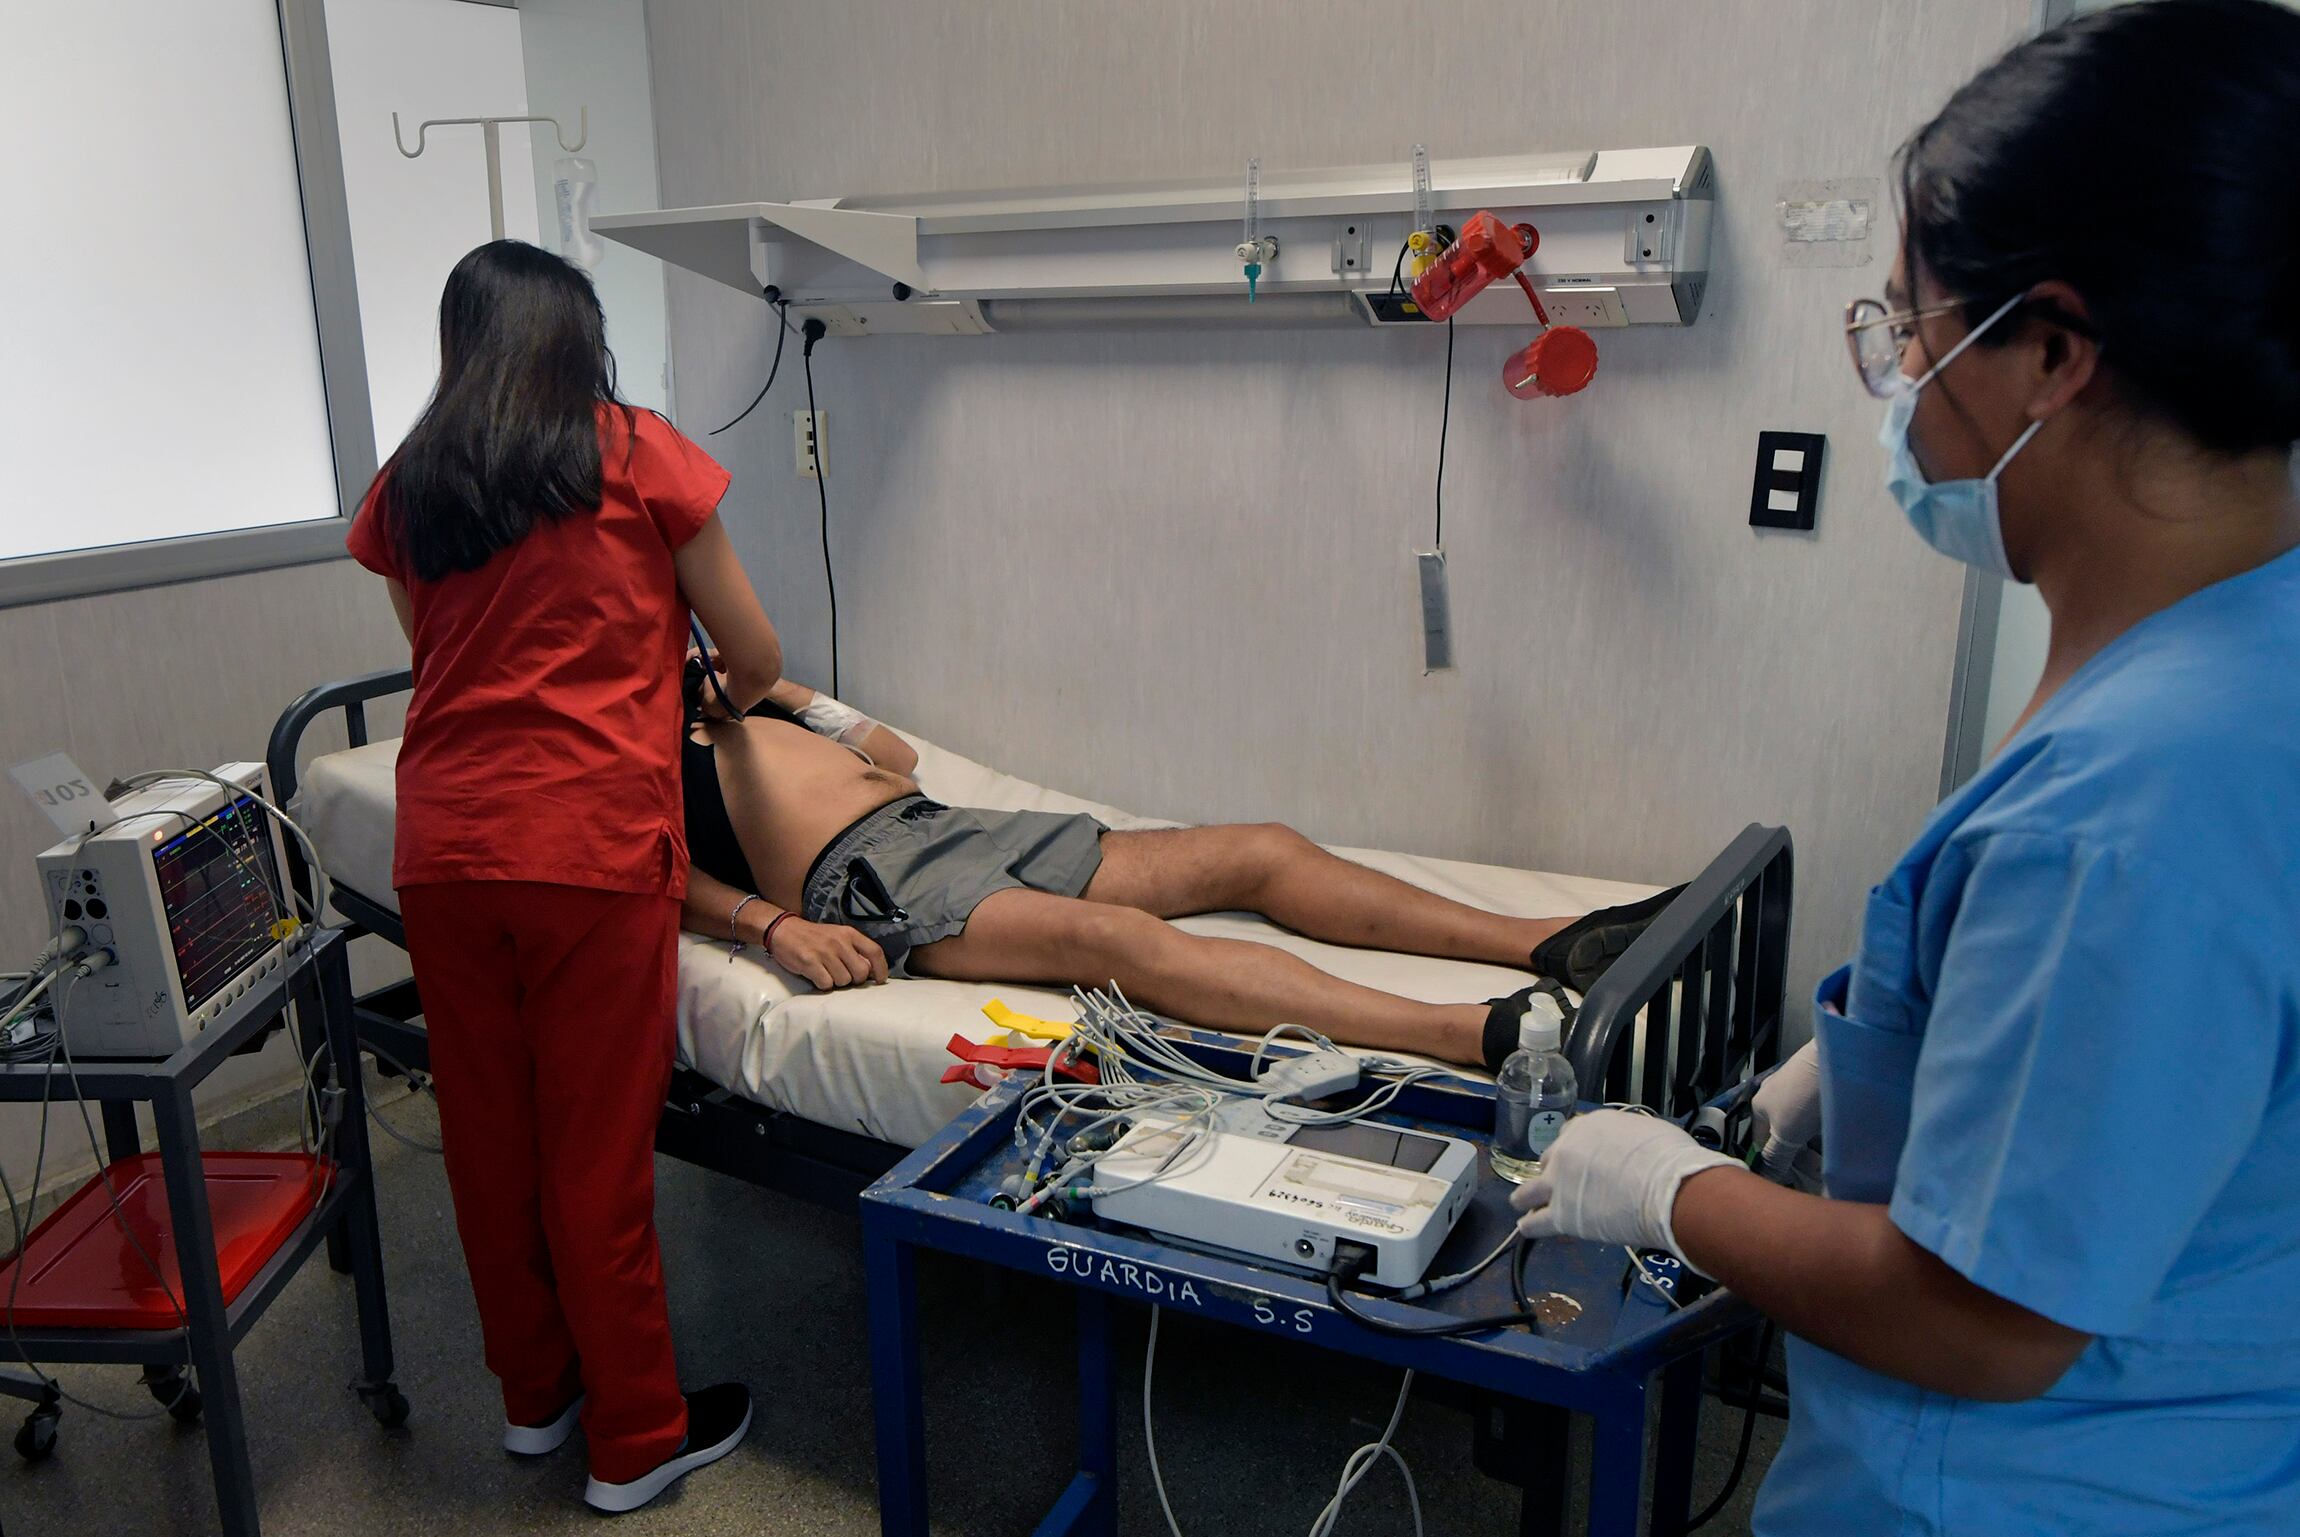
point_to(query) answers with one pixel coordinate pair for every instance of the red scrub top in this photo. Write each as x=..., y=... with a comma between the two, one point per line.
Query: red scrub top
x=542, y=741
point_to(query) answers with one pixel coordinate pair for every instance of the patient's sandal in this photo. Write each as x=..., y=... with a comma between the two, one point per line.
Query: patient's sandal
x=1503, y=1016
x=717, y=1419
x=1578, y=954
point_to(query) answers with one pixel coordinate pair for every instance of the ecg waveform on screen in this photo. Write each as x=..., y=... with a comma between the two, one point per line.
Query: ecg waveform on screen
x=217, y=888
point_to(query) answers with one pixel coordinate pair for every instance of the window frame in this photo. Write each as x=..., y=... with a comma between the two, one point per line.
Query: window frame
x=342, y=360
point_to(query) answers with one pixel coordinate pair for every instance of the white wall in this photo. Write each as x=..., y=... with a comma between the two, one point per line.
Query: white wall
x=412, y=220
x=1171, y=570
x=593, y=53
x=2024, y=630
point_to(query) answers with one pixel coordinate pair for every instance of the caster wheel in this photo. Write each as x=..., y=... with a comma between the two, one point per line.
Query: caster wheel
x=36, y=1440
x=173, y=1391
x=388, y=1404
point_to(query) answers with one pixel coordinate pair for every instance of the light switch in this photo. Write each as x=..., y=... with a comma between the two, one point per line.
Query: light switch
x=1787, y=491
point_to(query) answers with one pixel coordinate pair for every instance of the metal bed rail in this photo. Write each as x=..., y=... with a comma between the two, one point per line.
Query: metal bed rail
x=352, y=696
x=1693, y=1007
x=703, y=1123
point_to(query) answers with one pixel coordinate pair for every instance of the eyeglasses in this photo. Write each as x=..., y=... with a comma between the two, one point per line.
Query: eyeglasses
x=1877, y=337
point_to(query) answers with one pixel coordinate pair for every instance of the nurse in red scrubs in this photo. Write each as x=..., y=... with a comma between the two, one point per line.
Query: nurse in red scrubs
x=544, y=543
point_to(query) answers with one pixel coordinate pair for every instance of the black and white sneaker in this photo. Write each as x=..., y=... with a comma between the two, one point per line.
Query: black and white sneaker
x=1579, y=953
x=717, y=1419
x=544, y=1439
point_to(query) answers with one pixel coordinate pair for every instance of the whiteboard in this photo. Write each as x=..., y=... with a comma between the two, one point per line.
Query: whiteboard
x=159, y=360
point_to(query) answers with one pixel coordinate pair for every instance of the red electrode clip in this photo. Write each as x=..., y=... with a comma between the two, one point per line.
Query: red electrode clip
x=1032, y=1057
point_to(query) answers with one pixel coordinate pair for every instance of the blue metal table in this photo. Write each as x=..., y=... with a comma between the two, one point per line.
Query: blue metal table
x=1627, y=1344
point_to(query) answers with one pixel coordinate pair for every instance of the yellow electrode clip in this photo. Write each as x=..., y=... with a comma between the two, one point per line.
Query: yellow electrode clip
x=285, y=928
x=1023, y=1024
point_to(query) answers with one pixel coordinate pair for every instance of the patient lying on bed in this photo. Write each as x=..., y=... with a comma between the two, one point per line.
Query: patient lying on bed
x=876, y=876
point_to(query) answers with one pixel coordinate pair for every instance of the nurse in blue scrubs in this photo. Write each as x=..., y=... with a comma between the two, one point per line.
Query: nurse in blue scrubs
x=2054, y=1285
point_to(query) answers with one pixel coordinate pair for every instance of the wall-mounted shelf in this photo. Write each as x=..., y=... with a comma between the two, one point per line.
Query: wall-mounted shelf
x=1624, y=241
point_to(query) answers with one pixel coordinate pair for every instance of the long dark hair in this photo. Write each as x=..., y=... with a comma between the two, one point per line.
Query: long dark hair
x=512, y=433
x=2149, y=157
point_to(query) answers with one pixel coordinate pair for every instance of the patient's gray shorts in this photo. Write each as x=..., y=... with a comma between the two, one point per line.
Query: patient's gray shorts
x=913, y=871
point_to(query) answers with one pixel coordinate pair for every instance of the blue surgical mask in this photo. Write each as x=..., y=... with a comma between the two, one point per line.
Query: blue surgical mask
x=1958, y=518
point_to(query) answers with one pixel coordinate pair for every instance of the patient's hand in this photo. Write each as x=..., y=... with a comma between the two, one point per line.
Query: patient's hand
x=827, y=954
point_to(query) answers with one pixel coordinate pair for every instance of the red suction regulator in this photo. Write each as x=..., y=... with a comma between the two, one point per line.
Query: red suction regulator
x=1485, y=251
x=1562, y=359
x=1559, y=361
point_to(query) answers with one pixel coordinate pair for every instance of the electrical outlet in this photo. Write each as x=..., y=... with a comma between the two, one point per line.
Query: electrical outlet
x=1589, y=308
x=1788, y=484
x=807, y=435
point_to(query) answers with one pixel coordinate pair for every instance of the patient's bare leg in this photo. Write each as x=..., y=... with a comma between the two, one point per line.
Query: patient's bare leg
x=1272, y=870
x=1029, y=936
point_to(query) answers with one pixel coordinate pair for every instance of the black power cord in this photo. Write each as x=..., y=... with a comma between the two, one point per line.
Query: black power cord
x=1351, y=1261
x=782, y=309
x=1445, y=237
x=1445, y=416
x=1398, y=267
x=1445, y=421
x=1710, y=1511
x=813, y=331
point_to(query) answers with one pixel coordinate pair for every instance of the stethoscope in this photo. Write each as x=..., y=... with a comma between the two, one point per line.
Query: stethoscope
x=865, y=898
x=703, y=647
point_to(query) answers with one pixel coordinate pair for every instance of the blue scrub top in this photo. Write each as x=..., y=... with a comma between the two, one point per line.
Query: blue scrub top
x=2068, y=1055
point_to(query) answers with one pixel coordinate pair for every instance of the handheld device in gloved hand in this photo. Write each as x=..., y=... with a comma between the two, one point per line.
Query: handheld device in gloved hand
x=1787, y=1112
x=1613, y=1177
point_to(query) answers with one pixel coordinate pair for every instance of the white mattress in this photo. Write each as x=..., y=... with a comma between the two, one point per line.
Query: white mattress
x=871, y=1060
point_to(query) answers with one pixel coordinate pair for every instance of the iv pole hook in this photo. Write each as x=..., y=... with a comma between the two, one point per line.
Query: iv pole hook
x=492, y=129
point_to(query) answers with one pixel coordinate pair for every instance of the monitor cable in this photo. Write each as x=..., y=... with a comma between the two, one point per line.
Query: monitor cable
x=782, y=308
x=813, y=331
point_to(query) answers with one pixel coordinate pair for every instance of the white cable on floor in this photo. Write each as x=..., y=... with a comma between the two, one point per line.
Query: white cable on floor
x=1362, y=1462
x=1149, y=1431
x=1354, y=1470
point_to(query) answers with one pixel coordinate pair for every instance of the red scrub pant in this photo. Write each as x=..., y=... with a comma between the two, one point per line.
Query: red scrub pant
x=551, y=1017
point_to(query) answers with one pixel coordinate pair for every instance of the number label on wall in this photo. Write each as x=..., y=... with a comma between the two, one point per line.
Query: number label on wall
x=59, y=787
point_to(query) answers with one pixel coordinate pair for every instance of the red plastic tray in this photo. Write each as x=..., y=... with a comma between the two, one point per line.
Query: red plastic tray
x=81, y=1273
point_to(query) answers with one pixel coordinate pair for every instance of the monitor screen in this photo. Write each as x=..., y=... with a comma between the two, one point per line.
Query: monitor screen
x=219, y=892
x=1374, y=1143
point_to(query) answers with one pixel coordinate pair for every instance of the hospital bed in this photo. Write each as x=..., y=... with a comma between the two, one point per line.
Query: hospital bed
x=817, y=1094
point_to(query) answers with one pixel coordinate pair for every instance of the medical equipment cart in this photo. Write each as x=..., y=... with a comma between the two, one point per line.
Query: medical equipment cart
x=1620, y=1340
x=318, y=981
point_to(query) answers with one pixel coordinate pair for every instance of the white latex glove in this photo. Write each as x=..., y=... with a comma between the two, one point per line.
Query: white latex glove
x=1787, y=1112
x=1613, y=1177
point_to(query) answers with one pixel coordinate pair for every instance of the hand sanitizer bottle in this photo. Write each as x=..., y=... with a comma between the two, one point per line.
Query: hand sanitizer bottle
x=1534, y=1094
